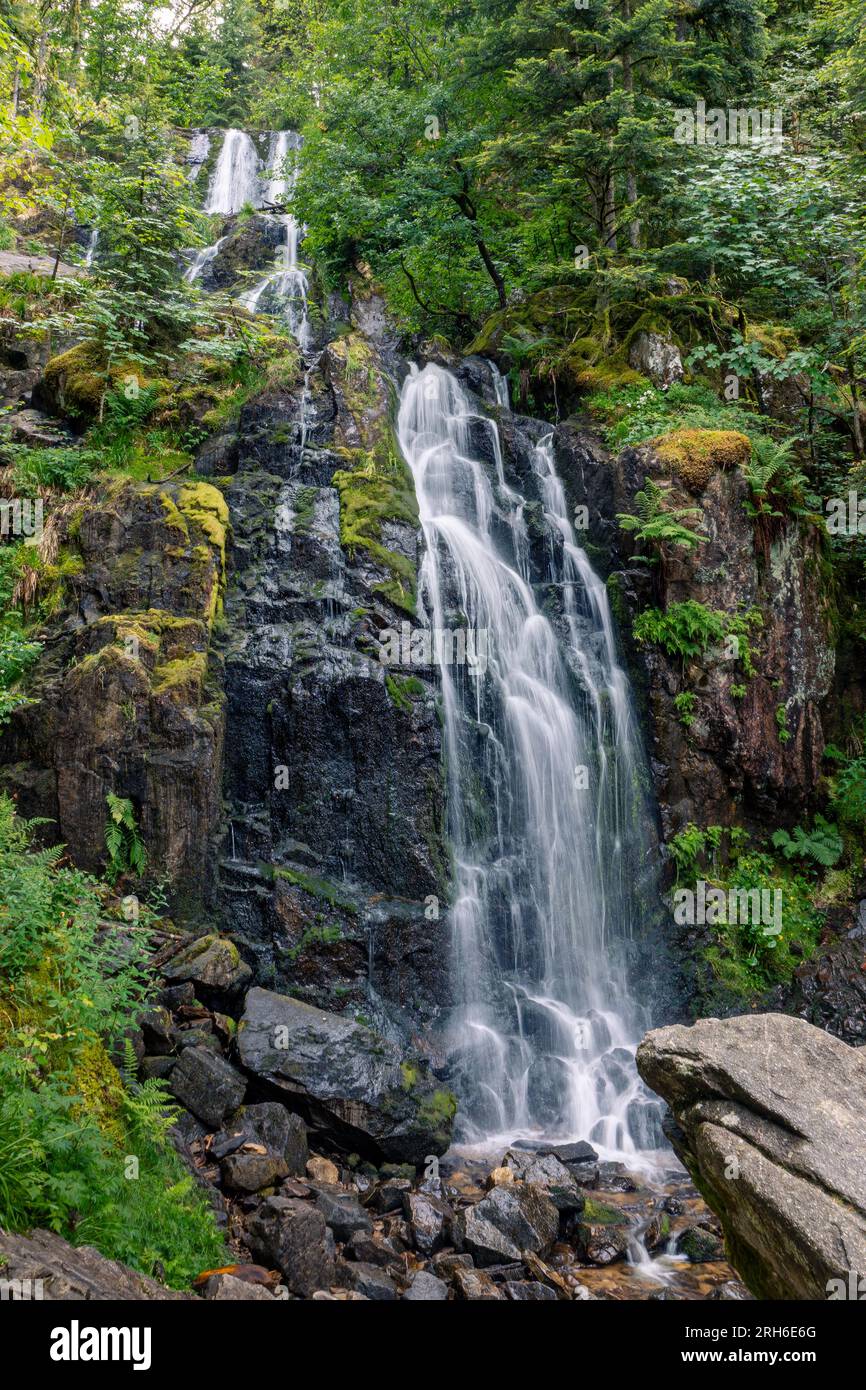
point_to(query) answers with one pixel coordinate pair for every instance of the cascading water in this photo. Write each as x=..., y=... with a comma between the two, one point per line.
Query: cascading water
x=235, y=180
x=544, y=788
x=285, y=287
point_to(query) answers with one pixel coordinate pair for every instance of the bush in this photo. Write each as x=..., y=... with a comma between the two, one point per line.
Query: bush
x=83, y=1152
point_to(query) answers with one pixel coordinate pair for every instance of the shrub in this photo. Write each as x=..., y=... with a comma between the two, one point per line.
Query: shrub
x=69, y=1126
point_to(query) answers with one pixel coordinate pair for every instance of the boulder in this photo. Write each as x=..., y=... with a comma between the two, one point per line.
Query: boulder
x=370, y=1280
x=353, y=1084
x=600, y=1242
x=43, y=1265
x=292, y=1235
x=506, y=1222
x=207, y=1084
x=430, y=1219
x=344, y=1214
x=475, y=1285
x=770, y=1119
x=268, y=1125
x=221, y=1288
x=426, y=1288
x=699, y=1245
x=546, y=1172
x=321, y=1169
x=657, y=358
x=212, y=964
x=38, y=431
x=524, y=1291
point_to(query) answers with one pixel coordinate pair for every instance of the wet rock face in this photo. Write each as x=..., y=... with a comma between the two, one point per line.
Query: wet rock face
x=251, y=245
x=770, y=1117
x=753, y=747
x=333, y=865
x=357, y=1089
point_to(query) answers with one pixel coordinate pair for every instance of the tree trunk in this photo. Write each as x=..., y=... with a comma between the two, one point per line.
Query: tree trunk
x=467, y=207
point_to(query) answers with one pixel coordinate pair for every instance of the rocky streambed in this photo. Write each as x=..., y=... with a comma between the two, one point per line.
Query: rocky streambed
x=326, y=1156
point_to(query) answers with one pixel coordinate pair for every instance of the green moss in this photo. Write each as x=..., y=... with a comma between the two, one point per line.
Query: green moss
x=401, y=690
x=599, y=1214
x=184, y=673
x=437, y=1111
x=97, y=1082
x=79, y=377
x=173, y=516
x=379, y=489
x=316, y=936
x=317, y=888
x=304, y=509
x=607, y=376
x=205, y=505
x=695, y=455
x=410, y=1075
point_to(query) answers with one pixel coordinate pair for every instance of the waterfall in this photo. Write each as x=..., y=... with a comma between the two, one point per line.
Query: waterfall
x=202, y=259
x=546, y=811
x=199, y=149
x=286, y=287
x=92, y=243
x=236, y=176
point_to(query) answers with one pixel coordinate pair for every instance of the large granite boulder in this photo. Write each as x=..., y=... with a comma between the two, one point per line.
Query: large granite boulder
x=352, y=1084
x=770, y=1119
x=42, y=1265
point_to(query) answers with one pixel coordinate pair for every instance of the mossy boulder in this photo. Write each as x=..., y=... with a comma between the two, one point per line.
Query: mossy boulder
x=695, y=455
x=213, y=964
x=74, y=382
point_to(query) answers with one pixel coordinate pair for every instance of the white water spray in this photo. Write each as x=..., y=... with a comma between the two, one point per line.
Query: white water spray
x=545, y=806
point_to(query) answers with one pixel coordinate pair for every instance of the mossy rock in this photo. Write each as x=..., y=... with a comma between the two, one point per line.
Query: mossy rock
x=776, y=340
x=76, y=380
x=695, y=455
x=608, y=375
x=182, y=677
x=553, y=312
x=96, y=1081
x=375, y=491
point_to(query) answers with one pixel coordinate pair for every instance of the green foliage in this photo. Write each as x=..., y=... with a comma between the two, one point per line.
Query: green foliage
x=686, y=630
x=126, y=851
x=782, y=729
x=822, y=844
x=684, y=704
x=849, y=790
x=658, y=526
x=633, y=414
x=70, y=989
x=690, y=630
x=17, y=655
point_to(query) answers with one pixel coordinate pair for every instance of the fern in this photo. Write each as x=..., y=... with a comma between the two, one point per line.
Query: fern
x=657, y=526
x=684, y=629
x=822, y=843
x=126, y=851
